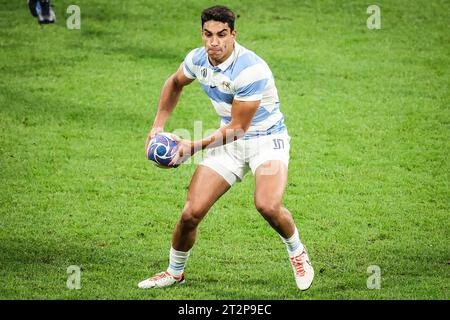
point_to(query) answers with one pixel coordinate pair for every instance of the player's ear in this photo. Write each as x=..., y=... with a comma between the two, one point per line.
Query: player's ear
x=233, y=33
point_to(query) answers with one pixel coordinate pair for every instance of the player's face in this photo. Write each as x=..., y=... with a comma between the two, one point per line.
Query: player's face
x=219, y=40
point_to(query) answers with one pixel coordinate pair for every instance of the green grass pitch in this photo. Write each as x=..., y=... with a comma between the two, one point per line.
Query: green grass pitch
x=368, y=112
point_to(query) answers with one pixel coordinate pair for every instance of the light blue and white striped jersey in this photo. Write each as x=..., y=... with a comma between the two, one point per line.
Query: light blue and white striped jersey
x=243, y=76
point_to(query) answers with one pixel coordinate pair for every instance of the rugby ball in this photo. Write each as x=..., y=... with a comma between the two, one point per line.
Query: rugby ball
x=161, y=150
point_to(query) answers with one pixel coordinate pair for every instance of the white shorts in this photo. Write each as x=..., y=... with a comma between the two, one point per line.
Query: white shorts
x=233, y=160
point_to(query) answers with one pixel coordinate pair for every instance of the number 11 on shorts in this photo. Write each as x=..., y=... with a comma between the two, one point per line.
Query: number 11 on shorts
x=278, y=144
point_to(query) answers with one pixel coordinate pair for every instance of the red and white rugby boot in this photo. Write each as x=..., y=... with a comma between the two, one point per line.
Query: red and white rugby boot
x=303, y=270
x=161, y=280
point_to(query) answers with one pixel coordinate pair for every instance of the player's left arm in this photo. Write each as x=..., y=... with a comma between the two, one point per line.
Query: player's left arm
x=242, y=113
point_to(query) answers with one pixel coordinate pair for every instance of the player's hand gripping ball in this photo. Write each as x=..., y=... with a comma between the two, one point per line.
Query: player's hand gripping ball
x=161, y=150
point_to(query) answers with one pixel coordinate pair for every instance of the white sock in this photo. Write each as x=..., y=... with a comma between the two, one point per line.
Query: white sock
x=177, y=261
x=293, y=244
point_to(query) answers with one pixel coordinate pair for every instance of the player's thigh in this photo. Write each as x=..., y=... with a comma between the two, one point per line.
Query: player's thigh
x=270, y=179
x=206, y=187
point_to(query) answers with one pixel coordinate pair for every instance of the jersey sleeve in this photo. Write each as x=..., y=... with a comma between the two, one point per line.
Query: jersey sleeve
x=188, y=66
x=251, y=82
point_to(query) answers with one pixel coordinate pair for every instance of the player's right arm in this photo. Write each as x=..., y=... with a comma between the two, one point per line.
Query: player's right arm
x=170, y=94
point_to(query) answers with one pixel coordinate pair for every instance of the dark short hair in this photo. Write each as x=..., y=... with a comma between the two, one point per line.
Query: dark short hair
x=219, y=13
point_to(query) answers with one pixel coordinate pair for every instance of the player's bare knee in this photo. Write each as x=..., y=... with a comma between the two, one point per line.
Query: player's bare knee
x=191, y=217
x=189, y=221
x=269, y=209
